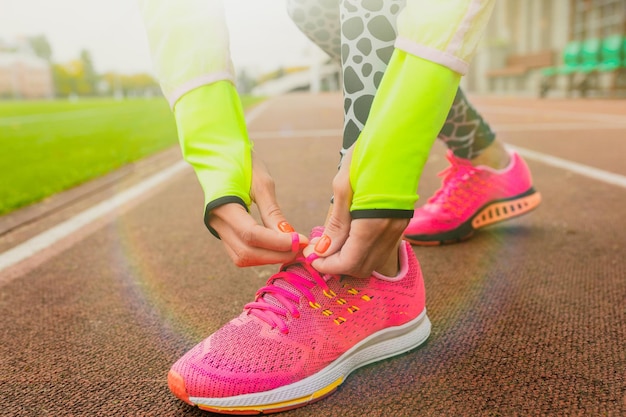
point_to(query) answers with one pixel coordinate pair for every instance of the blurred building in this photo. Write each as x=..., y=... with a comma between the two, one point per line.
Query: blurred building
x=525, y=36
x=24, y=75
x=318, y=77
x=318, y=73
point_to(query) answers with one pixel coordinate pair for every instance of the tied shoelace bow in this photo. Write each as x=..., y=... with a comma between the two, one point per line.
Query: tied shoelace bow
x=458, y=184
x=275, y=315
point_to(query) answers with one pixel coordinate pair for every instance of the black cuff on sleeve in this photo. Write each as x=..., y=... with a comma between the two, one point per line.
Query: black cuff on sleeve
x=220, y=202
x=382, y=214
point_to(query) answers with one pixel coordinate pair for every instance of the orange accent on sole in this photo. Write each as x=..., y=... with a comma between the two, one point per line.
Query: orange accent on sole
x=177, y=386
x=498, y=212
x=265, y=410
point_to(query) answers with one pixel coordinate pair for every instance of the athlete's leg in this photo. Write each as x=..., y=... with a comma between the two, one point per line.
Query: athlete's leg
x=368, y=33
x=484, y=184
x=319, y=21
x=364, y=43
x=362, y=36
x=465, y=132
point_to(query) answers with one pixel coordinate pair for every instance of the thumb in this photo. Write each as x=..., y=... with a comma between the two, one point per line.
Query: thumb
x=338, y=221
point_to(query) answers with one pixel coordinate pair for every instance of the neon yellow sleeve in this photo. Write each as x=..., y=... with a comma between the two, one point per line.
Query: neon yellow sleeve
x=189, y=45
x=214, y=140
x=408, y=112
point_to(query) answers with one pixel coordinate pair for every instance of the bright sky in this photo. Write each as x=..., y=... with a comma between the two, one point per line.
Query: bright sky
x=262, y=35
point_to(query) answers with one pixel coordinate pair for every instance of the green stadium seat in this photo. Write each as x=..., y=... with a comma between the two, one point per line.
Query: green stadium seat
x=583, y=61
x=549, y=71
x=611, y=53
x=590, y=55
x=571, y=63
x=571, y=59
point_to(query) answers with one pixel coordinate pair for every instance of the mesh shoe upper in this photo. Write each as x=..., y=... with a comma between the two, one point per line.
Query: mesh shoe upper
x=299, y=323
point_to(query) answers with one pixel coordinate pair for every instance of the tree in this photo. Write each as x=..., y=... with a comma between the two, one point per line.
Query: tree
x=41, y=47
x=63, y=81
x=130, y=85
x=89, y=77
x=245, y=83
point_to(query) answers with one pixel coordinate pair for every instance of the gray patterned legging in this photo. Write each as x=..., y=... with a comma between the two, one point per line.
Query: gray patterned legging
x=361, y=33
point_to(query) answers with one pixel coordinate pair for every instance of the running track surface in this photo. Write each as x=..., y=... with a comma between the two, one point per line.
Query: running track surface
x=529, y=317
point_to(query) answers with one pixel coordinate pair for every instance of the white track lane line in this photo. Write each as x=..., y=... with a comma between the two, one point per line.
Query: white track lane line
x=66, y=228
x=549, y=127
x=48, y=238
x=585, y=170
x=592, y=117
x=498, y=128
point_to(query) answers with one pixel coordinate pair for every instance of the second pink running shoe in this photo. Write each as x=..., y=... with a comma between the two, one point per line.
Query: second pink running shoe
x=472, y=197
x=301, y=338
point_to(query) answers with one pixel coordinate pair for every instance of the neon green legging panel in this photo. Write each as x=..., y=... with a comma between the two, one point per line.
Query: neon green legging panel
x=408, y=112
x=214, y=140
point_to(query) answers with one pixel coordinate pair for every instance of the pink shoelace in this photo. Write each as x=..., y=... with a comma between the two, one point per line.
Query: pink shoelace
x=276, y=315
x=459, y=181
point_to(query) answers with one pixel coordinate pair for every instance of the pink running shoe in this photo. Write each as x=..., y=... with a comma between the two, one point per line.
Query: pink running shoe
x=301, y=338
x=472, y=197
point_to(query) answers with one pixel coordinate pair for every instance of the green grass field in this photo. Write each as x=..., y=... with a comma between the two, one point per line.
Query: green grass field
x=50, y=146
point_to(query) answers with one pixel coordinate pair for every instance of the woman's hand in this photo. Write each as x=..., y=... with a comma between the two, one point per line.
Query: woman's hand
x=249, y=243
x=356, y=247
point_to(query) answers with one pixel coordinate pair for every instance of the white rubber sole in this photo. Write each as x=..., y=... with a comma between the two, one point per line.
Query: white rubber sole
x=381, y=345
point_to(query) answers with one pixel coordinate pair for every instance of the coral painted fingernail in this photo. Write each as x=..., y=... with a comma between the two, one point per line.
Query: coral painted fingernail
x=323, y=244
x=285, y=227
